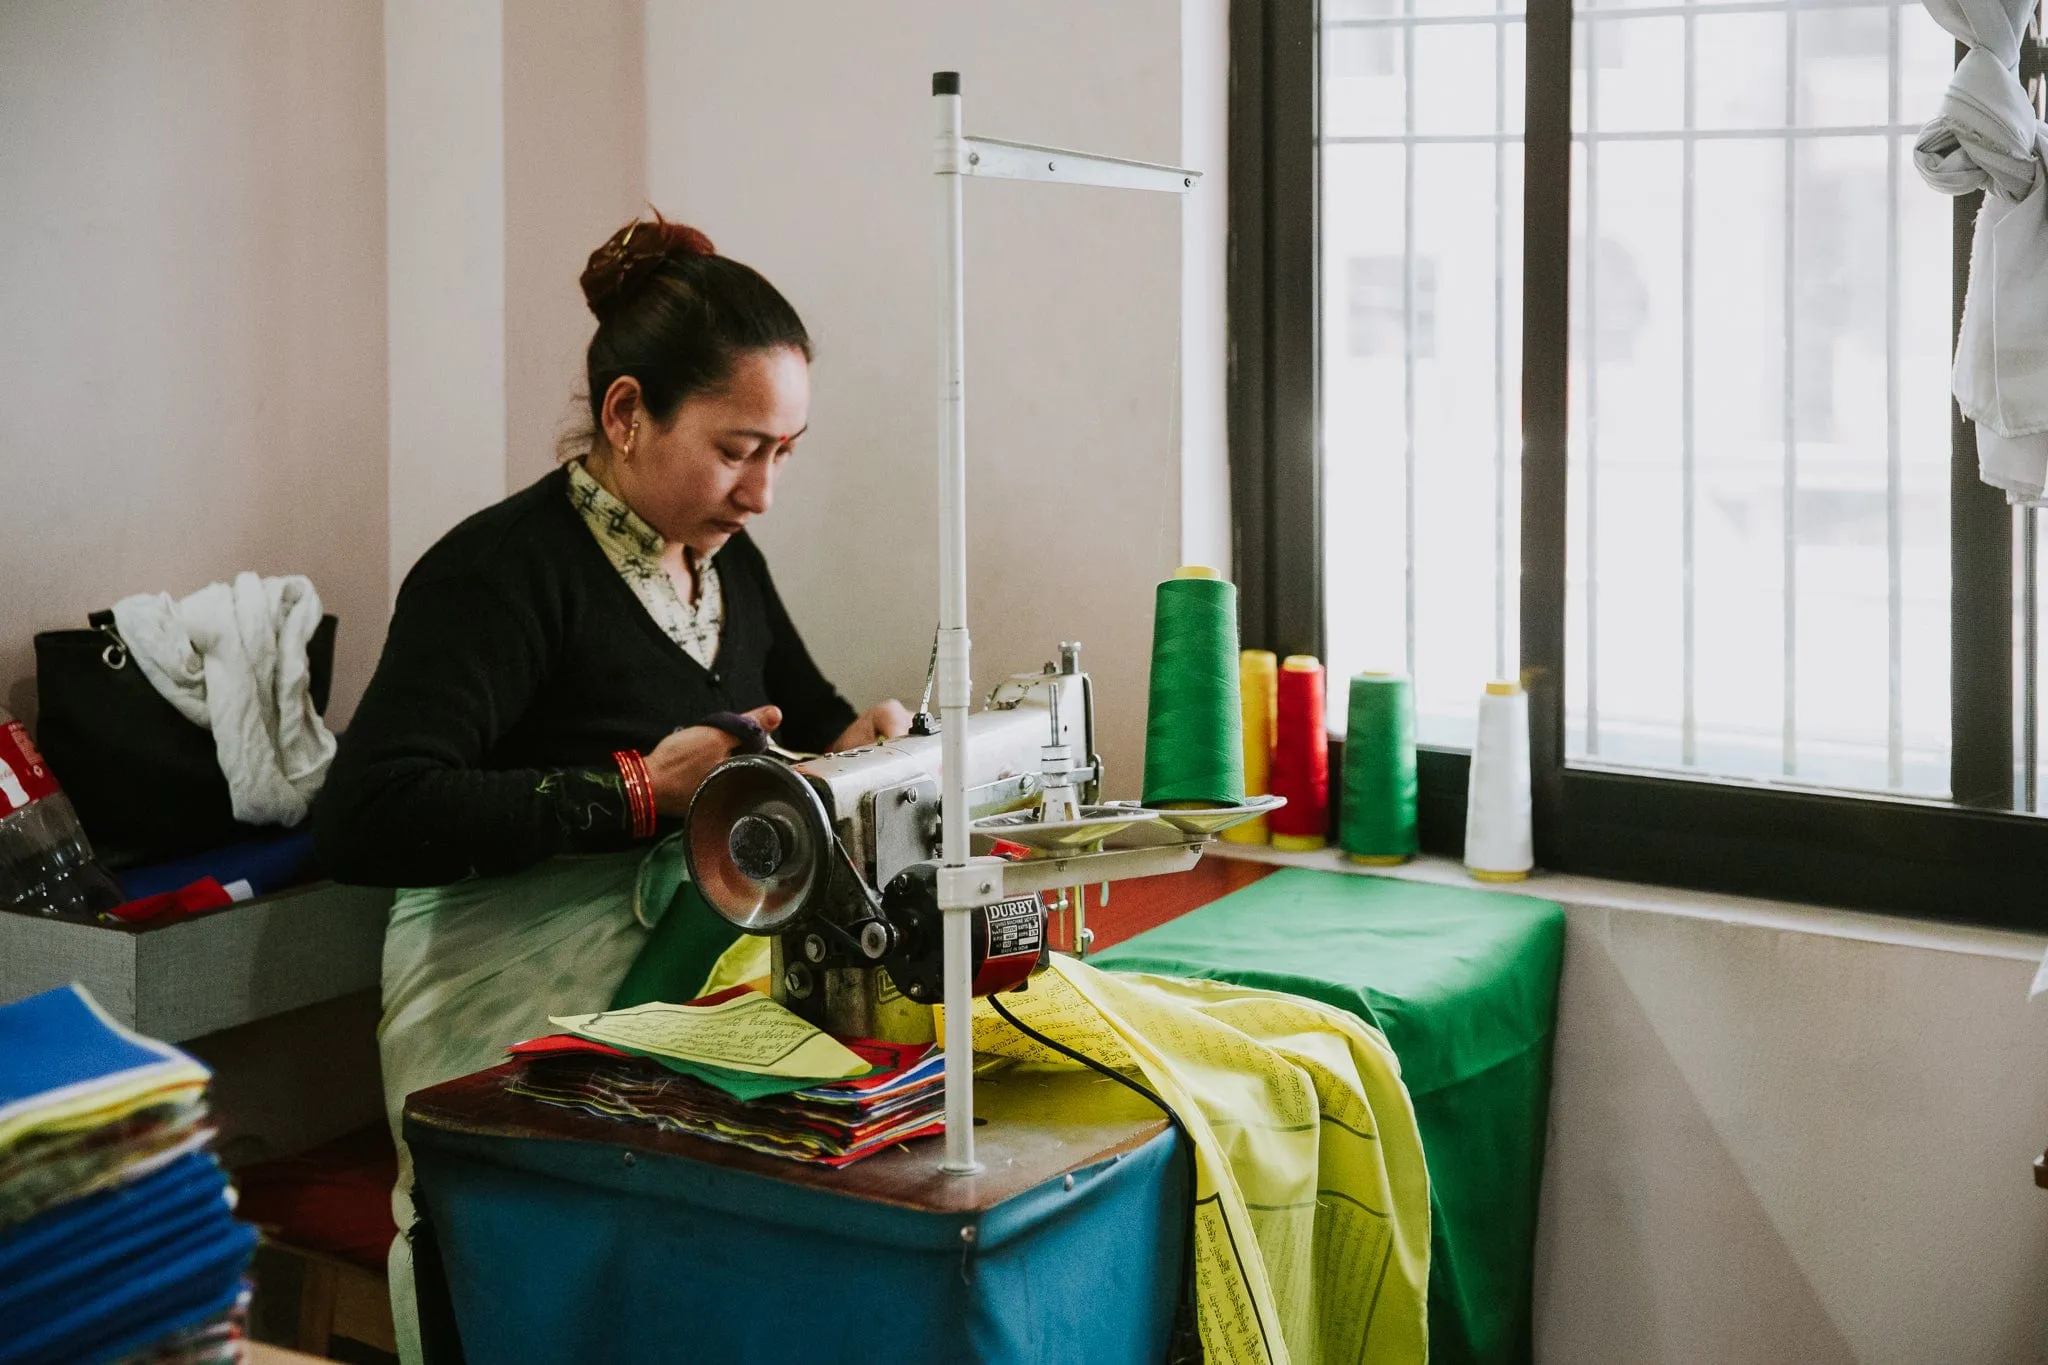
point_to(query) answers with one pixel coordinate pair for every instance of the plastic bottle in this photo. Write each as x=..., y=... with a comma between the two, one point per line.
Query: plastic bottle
x=46, y=862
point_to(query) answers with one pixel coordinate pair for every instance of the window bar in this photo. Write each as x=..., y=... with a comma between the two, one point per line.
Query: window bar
x=1500, y=345
x=1982, y=733
x=2028, y=659
x=1789, y=548
x=1688, y=449
x=2030, y=583
x=1610, y=13
x=1542, y=587
x=1591, y=275
x=1848, y=130
x=1894, y=375
x=1620, y=13
x=1252, y=308
x=1408, y=323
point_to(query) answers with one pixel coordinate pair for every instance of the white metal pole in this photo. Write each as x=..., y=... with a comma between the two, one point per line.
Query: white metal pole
x=954, y=686
x=961, y=885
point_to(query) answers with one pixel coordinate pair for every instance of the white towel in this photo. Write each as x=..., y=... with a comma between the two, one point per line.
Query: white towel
x=233, y=659
x=1987, y=137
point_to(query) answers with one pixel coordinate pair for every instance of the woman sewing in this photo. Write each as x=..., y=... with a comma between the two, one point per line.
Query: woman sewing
x=535, y=717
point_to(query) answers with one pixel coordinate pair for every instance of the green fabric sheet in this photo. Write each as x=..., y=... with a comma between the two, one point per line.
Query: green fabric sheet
x=683, y=947
x=1464, y=985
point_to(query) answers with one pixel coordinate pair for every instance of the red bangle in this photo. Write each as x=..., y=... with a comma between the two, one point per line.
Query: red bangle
x=647, y=812
x=643, y=824
x=640, y=812
x=630, y=784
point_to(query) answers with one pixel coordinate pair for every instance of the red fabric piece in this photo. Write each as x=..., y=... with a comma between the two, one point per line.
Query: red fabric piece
x=557, y=1043
x=720, y=997
x=334, y=1199
x=204, y=894
x=836, y=1163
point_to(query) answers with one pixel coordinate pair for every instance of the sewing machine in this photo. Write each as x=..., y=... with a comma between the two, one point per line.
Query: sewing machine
x=835, y=857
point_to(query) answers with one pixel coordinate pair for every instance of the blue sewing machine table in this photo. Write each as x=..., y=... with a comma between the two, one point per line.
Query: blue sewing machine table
x=550, y=1235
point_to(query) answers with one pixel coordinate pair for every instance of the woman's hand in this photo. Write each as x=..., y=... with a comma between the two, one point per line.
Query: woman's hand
x=884, y=720
x=680, y=763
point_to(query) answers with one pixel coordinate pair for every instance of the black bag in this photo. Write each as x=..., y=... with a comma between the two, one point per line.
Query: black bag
x=145, y=781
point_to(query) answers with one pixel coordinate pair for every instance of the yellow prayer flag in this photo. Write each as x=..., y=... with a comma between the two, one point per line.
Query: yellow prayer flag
x=1311, y=1219
x=748, y=1033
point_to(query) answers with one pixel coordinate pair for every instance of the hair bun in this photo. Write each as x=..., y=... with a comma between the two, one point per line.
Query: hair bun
x=632, y=255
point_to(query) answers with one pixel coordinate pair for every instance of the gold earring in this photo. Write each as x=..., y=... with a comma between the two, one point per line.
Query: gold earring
x=627, y=453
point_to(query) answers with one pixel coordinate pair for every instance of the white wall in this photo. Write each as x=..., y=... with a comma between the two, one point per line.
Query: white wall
x=444, y=132
x=195, y=260
x=192, y=332
x=1782, y=1134
x=575, y=170
x=1803, y=1141
x=516, y=138
x=797, y=133
x=193, y=256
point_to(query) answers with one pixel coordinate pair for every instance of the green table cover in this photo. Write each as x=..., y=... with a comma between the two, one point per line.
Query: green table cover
x=1464, y=985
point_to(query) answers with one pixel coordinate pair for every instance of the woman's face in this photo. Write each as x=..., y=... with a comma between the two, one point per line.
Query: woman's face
x=713, y=468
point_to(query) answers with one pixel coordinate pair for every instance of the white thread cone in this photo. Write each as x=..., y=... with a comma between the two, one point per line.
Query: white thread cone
x=1498, y=842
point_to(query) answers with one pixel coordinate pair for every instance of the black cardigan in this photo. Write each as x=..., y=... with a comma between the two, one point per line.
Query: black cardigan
x=518, y=661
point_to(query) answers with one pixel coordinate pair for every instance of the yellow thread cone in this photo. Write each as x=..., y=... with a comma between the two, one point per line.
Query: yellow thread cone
x=1258, y=692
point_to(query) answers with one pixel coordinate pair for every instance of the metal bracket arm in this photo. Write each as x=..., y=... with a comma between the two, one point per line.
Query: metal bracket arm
x=1001, y=160
x=1050, y=874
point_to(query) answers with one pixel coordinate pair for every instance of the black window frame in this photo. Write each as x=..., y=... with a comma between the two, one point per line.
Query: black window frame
x=1973, y=859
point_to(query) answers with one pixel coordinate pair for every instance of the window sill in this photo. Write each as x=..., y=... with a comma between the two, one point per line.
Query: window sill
x=1575, y=891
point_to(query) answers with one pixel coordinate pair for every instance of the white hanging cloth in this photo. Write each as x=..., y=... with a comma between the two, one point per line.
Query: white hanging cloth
x=1987, y=137
x=233, y=659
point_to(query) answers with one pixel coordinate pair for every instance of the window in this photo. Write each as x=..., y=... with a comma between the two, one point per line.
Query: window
x=1608, y=344
x=1421, y=228
x=1759, y=459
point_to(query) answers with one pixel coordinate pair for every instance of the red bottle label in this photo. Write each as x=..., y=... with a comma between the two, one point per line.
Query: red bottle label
x=24, y=777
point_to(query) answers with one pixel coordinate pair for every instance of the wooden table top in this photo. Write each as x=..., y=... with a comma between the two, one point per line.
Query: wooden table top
x=1029, y=1128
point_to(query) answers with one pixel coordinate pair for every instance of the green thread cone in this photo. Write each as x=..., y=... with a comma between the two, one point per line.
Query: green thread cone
x=1194, y=735
x=1377, y=819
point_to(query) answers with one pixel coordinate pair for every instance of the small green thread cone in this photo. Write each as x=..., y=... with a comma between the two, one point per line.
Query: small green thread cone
x=1377, y=818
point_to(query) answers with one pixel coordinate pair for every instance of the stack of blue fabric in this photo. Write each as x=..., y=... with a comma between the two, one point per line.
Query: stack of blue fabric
x=117, y=1235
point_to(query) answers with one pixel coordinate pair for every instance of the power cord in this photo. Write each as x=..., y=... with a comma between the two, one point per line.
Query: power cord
x=1183, y=1343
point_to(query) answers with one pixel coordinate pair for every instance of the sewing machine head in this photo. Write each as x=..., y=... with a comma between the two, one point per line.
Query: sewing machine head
x=832, y=857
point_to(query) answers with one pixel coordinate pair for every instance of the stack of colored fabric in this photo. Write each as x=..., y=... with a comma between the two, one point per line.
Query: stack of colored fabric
x=117, y=1237
x=831, y=1124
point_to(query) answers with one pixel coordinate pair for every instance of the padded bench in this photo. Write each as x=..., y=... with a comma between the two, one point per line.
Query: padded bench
x=328, y=1213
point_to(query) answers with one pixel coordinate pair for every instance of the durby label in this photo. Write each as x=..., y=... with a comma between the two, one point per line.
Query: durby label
x=1011, y=934
x=1015, y=927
